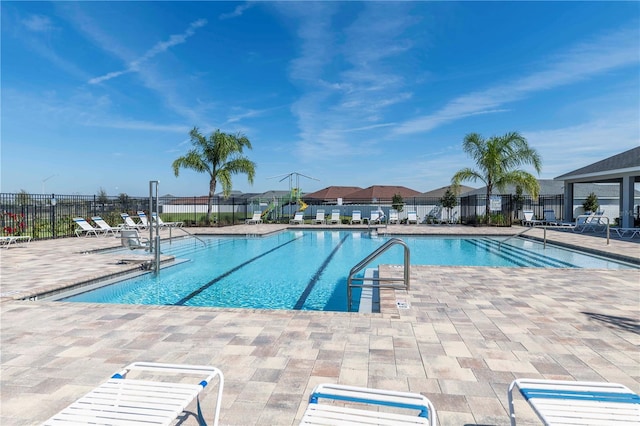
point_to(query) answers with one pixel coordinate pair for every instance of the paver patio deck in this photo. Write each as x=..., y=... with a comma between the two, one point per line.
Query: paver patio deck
x=466, y=334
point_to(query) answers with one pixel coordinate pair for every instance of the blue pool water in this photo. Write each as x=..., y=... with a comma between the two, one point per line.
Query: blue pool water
x=308, y=270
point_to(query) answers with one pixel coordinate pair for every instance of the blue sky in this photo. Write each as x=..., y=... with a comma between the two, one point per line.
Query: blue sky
x=103, y=94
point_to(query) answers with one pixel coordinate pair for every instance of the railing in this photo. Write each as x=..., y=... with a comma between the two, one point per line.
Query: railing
x=364, y=262
x=520, y=233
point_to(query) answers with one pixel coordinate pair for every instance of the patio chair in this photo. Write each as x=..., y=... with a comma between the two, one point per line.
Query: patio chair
x=335, y=217
x=550, y=219
x=298, y=219
x=152, y=394
x=104, y=226
x=8, y=240
x=143, y=218
x=320, y=220
x=583, y=223
x=155, y=217
x=412, y=217
x=529, y=219
x=558, y=402
x=621, y=232
x=360, y=409
x=85, y=228
x=356, y=217
x=131, y=239
x=393, y=216
x=374, y=217
x=255, y=219
x=129, y=223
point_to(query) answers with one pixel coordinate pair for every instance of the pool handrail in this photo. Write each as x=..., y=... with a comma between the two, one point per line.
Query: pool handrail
x=364, y=262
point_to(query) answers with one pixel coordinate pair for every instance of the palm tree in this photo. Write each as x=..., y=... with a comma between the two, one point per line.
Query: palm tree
x=219, y=155
x=497, y=159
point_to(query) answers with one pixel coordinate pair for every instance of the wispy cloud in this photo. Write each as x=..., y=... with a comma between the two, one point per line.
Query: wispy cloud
x=584, y=61
x=38, y=23
x=238, y=11
x=158, y=48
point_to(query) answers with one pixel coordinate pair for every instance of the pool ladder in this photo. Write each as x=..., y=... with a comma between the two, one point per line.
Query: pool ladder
x=363, y=282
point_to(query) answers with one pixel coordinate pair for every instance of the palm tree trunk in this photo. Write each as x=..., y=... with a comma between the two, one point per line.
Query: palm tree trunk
x=212, y=191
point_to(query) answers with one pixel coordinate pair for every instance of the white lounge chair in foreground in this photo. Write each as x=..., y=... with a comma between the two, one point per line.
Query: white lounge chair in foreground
x=136, y=396
x=412, y=217
x=8, y=240
x=558, y=402
x=356, y=217
x=298, y=219
x=360, y=408
x=129, y=223
x=155, y=217
x=255, y=219
x=335, y=217
x=85, y=228
x=319, y=220
x=131, y=239
x=104, y=226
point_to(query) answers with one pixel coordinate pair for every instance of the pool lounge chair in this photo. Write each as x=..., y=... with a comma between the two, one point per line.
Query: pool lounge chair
x=360, y=409
x=551, y=220
x=529, y=219
x=255, y=219
x=129, y=223
x=153, y=394
x=143, y=218
x=131, y=239
x=104, y=226
x=8, y=240
x=412, y=217
x=85, y=228
x=319, y=220
x=155, y=217
x=298, y=219
x=335, y=217
x=356, y=217
x=622, y=232
x=393, y=216
x=558, y=402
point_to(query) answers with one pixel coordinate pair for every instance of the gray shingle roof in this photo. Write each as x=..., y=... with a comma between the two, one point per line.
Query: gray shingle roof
x=625, y=160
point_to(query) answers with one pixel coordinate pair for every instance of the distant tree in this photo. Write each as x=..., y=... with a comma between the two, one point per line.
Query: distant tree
x=449, y=200
x=23, y=198
x=497, y=159
x=591, y=203
x=397, y=202
x=220, y=156
x=103, y=198
x=123, y=200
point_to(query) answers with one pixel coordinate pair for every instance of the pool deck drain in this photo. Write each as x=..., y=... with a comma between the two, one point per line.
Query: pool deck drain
x=464, y=334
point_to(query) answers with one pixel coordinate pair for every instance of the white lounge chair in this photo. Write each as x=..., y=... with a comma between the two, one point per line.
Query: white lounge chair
x=376, y=216
x=255, y=219
x=361, y=402
x=550, y=219
x=584, y=223
x=137, y=395
x=104, y=226
x=155, y=217
x=129, y=222
x=622, y=232
x=85, y=228
x=335, y=217
x=356, y=217
x=529, y=219
x=131, y=239
x=298, y=219
x=8, y=240
x=320, y=219
x=393, y=216
x=558, y=402
x=412, y=217
x=143, y=218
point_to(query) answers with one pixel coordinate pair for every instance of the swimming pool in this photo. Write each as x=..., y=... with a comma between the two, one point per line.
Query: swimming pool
x=308, y=270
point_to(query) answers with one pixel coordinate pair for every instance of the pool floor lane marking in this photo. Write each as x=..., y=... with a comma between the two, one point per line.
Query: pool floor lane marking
x=229, y=272
x=303, y=297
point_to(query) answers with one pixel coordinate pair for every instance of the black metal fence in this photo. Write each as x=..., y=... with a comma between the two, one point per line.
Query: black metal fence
x=44, y=216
